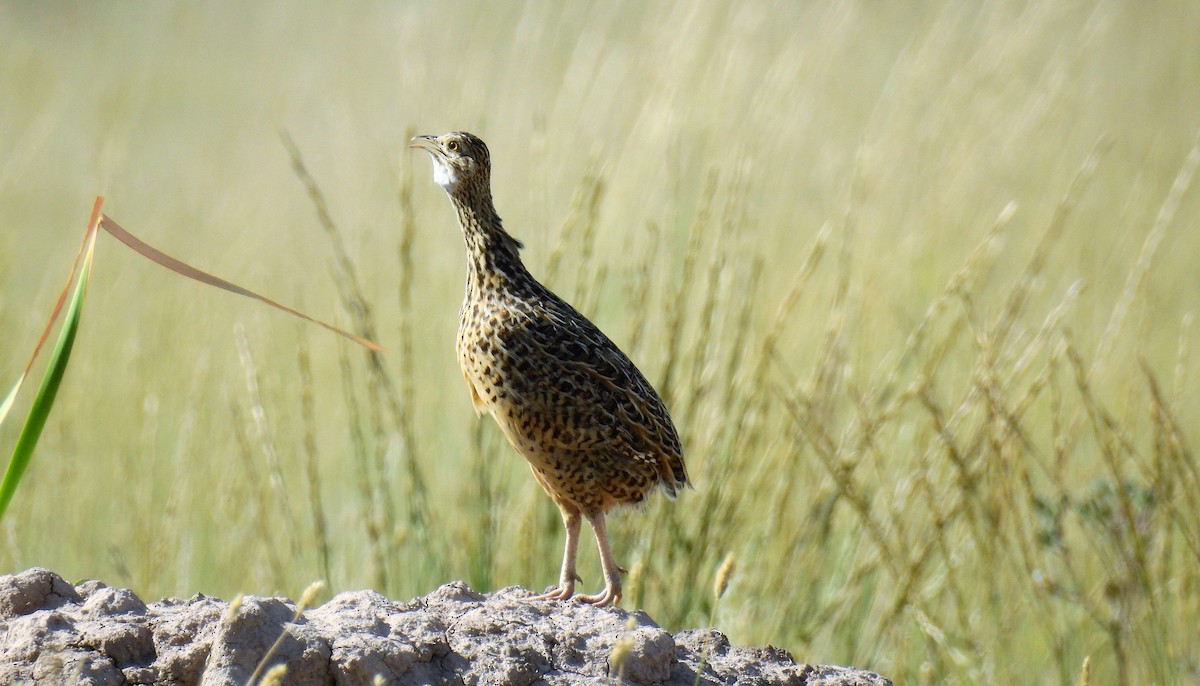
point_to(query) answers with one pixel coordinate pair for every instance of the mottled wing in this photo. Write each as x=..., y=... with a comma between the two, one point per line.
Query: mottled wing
x=583, y=393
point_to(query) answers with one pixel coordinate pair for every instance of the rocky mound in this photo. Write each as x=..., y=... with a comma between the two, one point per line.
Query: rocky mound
x=55, y=633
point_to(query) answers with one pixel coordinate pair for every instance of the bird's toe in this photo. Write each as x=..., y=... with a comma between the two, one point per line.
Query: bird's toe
x=609, y=597
x=562, y=592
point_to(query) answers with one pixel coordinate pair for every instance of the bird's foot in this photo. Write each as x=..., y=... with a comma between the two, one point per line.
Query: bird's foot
x=610, y=596
x=560, y=592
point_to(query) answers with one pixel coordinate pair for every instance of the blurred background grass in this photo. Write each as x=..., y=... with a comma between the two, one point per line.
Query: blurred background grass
x=972, y=479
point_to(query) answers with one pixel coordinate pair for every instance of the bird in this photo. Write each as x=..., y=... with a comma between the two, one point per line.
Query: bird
x=594, y=431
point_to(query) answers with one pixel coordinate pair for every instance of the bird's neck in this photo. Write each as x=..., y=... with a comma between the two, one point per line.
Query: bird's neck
x=492, y=254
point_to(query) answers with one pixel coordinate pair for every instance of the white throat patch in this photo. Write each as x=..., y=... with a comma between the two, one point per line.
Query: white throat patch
x=443, y=175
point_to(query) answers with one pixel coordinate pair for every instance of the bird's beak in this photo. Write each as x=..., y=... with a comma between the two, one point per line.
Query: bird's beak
x=428, y=143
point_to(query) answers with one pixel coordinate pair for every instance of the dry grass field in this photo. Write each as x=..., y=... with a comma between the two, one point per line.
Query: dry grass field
x=918, y=282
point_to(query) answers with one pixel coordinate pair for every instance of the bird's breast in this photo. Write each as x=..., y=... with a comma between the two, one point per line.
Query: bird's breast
x=481, y=356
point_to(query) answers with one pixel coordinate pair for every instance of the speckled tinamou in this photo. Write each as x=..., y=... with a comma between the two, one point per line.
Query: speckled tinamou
x=595, y=433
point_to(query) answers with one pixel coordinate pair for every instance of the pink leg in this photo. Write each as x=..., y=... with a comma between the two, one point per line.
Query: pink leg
x=611, y=595
x=566, y=580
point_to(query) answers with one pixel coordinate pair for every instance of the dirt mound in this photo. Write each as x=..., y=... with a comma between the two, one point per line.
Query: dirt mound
x=52, y=632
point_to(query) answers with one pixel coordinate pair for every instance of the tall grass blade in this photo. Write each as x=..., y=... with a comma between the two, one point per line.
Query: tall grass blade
x=8, y=400
x=184, y=269
x=56, y=368
x=58, y=305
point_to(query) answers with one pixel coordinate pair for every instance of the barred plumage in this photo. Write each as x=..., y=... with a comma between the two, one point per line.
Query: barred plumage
x=595, y=432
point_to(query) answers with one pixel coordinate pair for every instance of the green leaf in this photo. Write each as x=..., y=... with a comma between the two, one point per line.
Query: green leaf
x=44, y=401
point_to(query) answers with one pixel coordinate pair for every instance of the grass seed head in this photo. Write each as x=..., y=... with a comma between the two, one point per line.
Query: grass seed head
x=724, y=572
x=274, y=676
x=310, y=595
x=234, y=606
x=620, y=653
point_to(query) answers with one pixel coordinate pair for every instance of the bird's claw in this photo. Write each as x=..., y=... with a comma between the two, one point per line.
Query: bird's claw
x=608, y=597
x=562, y=592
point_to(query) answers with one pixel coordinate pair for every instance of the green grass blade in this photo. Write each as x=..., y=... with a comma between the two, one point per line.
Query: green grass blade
x=8, y=401
x=40, y=409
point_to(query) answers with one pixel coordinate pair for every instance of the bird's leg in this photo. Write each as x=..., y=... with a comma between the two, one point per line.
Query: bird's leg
x=611, y=595
x=567, y=579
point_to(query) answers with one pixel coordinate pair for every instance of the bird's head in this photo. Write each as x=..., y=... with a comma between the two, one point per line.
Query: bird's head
x=459, y=159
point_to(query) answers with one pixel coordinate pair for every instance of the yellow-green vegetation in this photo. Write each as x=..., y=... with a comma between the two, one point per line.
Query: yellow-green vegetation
x=917, y=282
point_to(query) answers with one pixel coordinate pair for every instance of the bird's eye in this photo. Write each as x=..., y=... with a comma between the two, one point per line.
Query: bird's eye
x=452, y=146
